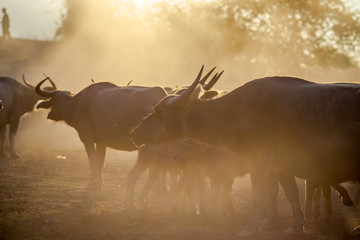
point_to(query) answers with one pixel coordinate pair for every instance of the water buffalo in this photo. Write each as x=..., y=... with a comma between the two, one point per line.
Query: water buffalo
x=17, y=100
x=282, y=126
x=103, y=115
x=157, y=158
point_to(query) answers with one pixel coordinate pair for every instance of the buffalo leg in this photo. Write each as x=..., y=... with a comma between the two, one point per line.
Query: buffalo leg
x=100, y=160
x=316, y=207
x=178, y=190
x=201, y=186
x=173, y=182
x=2, y=144
x=13, y=129
x=154, y=172
x=215, y=195
x=326, y=190
x=227, y=188
x=272, y=191
x=310, y=187
x=291, y=191
x=259, y=176
x=90, y=150
x=134, y=174
x=163, y=182
x=190, y=192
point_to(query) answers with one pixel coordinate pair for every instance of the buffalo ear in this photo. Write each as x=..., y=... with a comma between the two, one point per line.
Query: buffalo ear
x=195, y=95
x=44, y=104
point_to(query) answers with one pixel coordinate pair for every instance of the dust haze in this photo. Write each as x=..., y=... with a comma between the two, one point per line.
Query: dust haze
x=162, y=43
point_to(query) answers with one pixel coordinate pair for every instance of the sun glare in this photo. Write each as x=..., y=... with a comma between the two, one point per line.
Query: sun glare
x=143, y=4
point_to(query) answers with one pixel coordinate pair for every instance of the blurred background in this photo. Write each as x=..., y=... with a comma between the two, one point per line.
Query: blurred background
x=164, y=42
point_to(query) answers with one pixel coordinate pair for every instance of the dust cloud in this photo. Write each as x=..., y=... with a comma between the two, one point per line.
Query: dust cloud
x=164, y=43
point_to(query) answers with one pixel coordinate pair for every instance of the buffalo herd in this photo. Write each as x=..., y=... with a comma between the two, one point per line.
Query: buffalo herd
x=275, y=128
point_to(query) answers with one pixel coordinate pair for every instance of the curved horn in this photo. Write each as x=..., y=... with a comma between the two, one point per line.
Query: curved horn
x=25, y=82
x=203, y=80
x=188, y=91
x=213, y=81
x=92, y=80
x=128, y=84
x=44, y=93
x=52, y=83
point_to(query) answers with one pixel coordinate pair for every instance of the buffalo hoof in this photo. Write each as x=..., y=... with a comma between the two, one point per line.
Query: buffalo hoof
x=15, y=155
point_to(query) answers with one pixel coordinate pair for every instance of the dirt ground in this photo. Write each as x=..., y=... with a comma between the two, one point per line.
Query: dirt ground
x=43, y=197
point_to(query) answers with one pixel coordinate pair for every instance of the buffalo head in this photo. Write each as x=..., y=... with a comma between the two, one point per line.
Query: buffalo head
x=58, y=101
x=167, y=121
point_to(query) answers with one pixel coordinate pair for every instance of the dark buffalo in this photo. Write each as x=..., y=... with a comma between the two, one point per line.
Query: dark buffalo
x=157, y=158
x=17, y=100
x=283, y=126
x=103, y=115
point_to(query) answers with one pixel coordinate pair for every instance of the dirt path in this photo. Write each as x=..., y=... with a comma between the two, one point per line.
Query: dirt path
x=42, y=197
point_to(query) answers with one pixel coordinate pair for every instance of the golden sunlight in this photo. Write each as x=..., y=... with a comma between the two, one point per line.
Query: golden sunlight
x=143, y=4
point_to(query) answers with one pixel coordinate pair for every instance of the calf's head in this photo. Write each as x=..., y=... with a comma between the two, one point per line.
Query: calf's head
x=167, y=121
x=58, y=102
x=189, y=150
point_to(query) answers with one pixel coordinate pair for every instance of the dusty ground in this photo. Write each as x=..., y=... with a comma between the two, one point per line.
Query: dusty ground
x=42, y=196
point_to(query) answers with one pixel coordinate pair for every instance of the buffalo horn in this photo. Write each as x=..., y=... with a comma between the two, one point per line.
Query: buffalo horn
x=44, y=93
x=25, y=82
x=213, y=81
x=203, y=80
x=52, y=83
x=184, y=96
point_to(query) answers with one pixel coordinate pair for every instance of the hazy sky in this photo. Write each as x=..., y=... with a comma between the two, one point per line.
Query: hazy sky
x=39, y=19
x=35, y=19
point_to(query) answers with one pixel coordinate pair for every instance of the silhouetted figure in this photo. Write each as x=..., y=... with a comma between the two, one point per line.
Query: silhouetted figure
x=5, y=24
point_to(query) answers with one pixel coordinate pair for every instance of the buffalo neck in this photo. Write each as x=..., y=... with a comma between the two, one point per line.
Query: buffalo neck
x=208, y=121
x=70, y=110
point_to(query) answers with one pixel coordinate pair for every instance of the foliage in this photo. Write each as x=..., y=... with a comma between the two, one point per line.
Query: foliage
x=302, y=33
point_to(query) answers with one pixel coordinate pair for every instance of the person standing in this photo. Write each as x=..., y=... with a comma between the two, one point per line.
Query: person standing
x=5, y=24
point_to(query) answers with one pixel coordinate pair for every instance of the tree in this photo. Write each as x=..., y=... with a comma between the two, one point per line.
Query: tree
x=269, y=32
